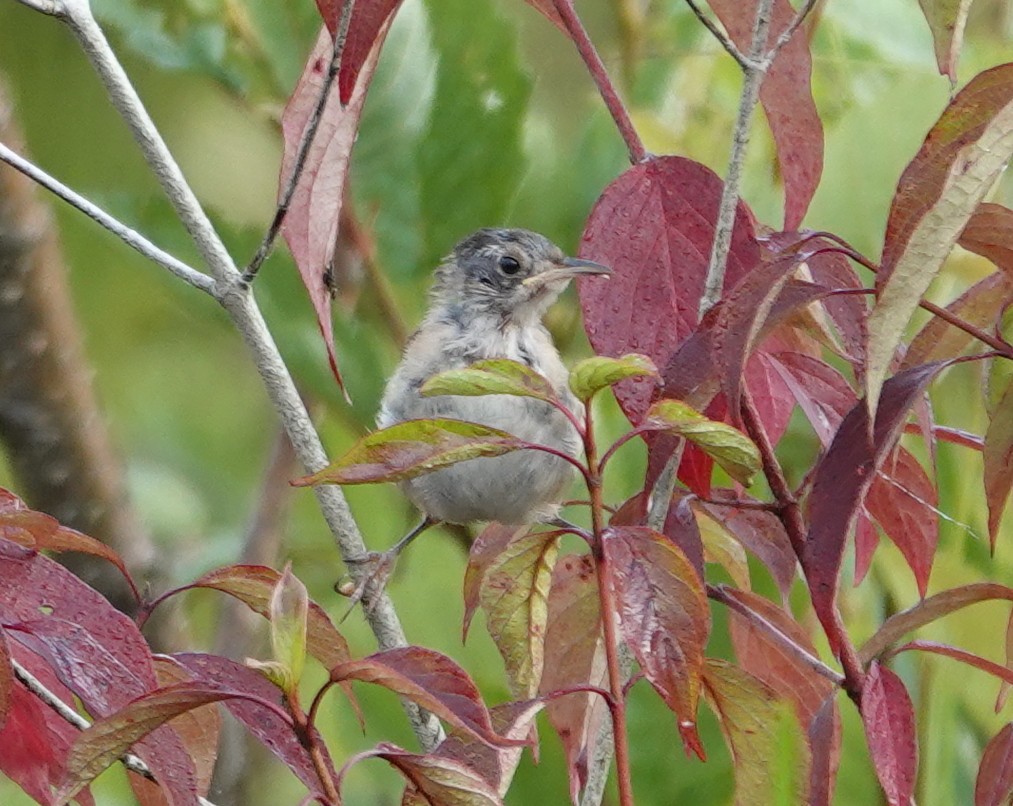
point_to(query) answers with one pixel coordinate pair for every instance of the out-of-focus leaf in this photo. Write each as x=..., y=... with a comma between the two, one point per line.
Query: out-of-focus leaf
x=436, y=780
x=1004, y=688
x=763, y=534
x=946, y=19
x=289, y=613
x=412, y=448
x=253, y=586
x=664, y=617
x=654, y=226
x=548, y=8
x=843, y=477
x=728, y=446
x=514, y=592
x=428, y=678
x=998, y=456
x=110, y=737
x=264, y=724
x=768, y=745
x=980, y=305
x=787, y=100
x=471, y=158
x=937, y=194
x=889, y=721
x=989, y=233
x=575, y=655
x=903, y=501
x=311, y=225
x=498, y=376
x=929, y=610
x=198, y=729
x=592, y=375
x=994, y=784
x=984, y=664
x=365, y=29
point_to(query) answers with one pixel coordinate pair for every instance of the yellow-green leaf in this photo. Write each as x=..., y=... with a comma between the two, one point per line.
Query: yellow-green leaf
x=497, y=376
x=289, y=613
x=594, y=374
x=413, y=448
x=727, y=446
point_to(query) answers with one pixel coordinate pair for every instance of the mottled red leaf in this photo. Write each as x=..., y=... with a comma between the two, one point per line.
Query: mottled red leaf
x=654, y=226
x=946, y=19
x=787, y=100
x=937, y=194
x=989, y=233
x=980, y=305
x=575, y=655
x=902, y=500
x=366, y=26
x=843, y=477
x=311, y=225
x=6, y=677
x=428, y=678
x=664, y=617
x=998, y=457
x=266, y=726
x=30, y=757
x=889, y=721
x=822, y=393
x=994, y=785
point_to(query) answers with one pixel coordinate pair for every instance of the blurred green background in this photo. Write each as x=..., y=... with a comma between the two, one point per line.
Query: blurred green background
x=480, y=113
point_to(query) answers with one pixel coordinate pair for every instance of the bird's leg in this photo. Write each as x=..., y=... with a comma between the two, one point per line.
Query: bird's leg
x=379, y=565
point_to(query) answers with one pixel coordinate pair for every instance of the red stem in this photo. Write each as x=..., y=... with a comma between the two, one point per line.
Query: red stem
x=609, y=609
x=601, y=78
x=310, y=739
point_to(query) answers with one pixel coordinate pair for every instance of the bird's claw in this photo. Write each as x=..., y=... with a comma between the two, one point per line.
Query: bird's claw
x=374, y=569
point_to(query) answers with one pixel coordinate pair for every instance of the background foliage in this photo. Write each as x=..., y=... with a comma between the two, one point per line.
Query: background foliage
x=480, y=114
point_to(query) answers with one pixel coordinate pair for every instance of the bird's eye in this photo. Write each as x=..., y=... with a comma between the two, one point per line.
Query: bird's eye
x=509, y=265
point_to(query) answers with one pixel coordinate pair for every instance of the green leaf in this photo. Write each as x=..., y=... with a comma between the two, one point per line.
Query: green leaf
x=727, y=446
x=594, y=374
x=413, y=448
x=289, y=611
x=498, y=376
x=769, y=749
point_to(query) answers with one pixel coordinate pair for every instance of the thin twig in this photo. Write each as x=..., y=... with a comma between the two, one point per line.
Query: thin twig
x=753, y=78
x=723, y=39
x=68, y=714
x=237, y=300
x=122, y=231
x=305, y=144
x=788, y=32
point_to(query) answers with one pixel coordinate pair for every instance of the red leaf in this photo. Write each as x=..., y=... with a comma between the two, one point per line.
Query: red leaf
x=994, y=784
x=6, y=677
x=764, y=535
x=787, y=99
x=548, y=8
x=264, y=724
x=866, y=543
x=654, y=226
x=984, y=664
x=822, y=393
x=32, y=756
x=843, y=477
x=436, y=780
x=664, y=617
x=889, y=721
x=998, y=457
x=825, y=745
x=989, y=233
x=364, y=29
x=482, y=554
x=575, y=655
x=311, y=225
x=902, y=500
x=432, y=680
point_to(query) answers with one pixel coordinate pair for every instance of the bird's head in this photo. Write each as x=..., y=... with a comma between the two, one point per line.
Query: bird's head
x=513, y=273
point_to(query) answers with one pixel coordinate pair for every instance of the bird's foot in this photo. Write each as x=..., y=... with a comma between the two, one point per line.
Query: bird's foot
x=373, y=571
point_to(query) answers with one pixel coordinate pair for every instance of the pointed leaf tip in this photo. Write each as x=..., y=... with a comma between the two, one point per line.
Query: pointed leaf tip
x=592, y=375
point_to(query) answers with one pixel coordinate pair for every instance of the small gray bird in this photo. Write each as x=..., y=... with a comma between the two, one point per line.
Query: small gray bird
x=487, y=301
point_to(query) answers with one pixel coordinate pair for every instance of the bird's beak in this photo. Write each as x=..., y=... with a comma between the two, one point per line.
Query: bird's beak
x=568, y=267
